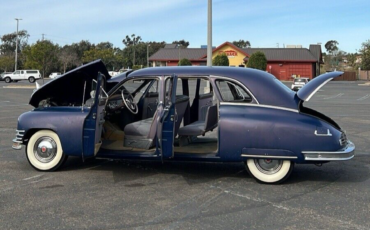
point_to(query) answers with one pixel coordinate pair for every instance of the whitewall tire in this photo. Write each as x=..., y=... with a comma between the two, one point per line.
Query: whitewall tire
x=269, y=171
x=44, y=151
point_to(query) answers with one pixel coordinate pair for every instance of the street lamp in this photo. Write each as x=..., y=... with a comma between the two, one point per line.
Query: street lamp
x=16, y=45
x=147, y=55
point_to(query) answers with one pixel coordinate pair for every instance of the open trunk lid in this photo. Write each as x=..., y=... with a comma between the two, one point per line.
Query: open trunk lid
x=68, y=89
x=309, y=89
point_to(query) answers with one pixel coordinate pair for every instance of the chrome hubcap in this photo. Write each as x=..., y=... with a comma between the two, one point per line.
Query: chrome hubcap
x=45, y=149
x=268, y=166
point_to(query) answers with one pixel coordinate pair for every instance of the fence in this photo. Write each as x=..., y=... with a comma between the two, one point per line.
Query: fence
x=347, y=76
x=364, y=75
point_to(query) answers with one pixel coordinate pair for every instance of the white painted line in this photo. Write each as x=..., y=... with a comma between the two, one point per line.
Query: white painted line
x=364, y=97
x=29, y=178
x=335, y=96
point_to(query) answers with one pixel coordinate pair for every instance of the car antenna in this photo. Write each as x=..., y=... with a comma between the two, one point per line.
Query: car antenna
x=83, y=98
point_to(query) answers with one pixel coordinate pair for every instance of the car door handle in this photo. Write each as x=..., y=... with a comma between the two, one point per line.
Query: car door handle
x=328, y=134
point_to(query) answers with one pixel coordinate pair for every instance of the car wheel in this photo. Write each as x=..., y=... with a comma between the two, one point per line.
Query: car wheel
x=8, y=80
x=44, y=151
x=31, y=79
x=269, y=171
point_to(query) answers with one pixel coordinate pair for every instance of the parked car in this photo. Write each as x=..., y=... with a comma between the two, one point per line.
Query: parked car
x=18, y=75
x=168, y=114
x=54, y=75
x=298, y=83
x=2, y=75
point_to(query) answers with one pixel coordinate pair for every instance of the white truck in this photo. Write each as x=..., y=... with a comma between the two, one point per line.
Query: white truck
x=18, y=75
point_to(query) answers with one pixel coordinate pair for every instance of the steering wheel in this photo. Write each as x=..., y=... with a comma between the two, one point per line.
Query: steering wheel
x=129, y=102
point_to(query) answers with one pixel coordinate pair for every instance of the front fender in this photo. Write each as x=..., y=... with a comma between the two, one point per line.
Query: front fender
x=64, y=121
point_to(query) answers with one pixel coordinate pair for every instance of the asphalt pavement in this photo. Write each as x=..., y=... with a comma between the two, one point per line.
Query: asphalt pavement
x=104, y=194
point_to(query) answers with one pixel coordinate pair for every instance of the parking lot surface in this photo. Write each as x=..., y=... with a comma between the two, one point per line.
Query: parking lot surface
x=104, y=194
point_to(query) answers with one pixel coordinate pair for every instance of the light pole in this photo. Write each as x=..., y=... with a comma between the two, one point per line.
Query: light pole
x=147, y=55
x=16, y=46
x=209, y=34
x=179, y=47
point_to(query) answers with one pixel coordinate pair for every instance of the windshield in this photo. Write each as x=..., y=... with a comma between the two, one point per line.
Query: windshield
x=300, y=80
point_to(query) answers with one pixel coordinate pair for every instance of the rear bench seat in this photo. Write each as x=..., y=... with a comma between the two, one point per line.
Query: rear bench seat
x=201, y=127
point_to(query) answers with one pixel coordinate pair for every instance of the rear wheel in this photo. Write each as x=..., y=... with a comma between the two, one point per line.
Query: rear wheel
x=269, y=171
x=31, y=79
x=8, y=80
x=44, y=151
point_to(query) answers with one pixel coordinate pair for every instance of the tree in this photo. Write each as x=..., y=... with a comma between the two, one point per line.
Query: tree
x=68, y=58
x=365, y=51
x=9, y=42
x=6, y=63
x=184, y=62
x=80, y=48
x=132, y=42
x=242, y=44
x=182, y=43
x=220, y=60
x=257, y=61
x=106, y=55
x=42, y=56
x=331, y=46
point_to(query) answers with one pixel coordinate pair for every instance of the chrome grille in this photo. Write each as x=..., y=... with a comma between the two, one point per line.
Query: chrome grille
x=19, y=136
x=343, y=139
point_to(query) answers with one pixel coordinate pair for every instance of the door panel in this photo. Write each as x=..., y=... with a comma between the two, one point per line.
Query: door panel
x=94, y=121
x=166, y=124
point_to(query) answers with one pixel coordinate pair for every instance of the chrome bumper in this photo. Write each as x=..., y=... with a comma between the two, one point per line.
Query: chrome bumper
x=18, y=140
x=346, y=153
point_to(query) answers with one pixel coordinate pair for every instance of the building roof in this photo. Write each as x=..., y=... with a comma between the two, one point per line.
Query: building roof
x=174, y=54
x=170, y=46
x=284, y=54
x=272, y=54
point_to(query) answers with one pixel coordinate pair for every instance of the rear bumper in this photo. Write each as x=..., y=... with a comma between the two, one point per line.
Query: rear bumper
x=346, y=153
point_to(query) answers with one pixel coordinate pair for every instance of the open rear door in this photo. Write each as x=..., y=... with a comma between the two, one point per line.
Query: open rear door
x=167, y=119
x=93, y=125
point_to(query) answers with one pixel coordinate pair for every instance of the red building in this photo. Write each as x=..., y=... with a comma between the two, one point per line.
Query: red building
x=283, y=63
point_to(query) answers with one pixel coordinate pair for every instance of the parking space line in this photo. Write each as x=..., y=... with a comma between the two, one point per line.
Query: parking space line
x=335, y=96
x=32, y=177
x=364, y=97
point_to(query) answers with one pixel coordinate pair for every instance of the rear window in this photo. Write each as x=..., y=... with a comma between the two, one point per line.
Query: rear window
x=31, y=71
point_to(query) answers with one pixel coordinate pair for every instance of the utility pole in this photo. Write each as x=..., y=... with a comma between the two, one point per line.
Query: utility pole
x=43, y=37
x=16, y=45
x=209, y=34
x=134, y=51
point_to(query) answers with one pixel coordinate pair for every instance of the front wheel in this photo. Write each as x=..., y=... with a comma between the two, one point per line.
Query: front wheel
x=269, y=171
x=44, y=151
x=8, y=80
x=31, y=79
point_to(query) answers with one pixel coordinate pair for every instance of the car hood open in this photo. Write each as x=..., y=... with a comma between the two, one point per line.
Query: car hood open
x=69, y=86
x=309, y=89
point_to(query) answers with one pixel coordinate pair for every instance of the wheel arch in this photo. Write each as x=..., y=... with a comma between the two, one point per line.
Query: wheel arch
x=29, y=133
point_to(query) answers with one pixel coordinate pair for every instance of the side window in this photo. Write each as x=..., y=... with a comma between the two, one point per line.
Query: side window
x=232, y=92
x=22, y=72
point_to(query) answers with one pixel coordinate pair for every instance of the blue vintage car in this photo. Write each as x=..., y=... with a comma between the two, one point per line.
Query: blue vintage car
x=213, y=114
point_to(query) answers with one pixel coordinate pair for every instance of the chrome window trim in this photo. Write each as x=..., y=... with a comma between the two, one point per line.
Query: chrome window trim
x=259, y=105
x=215, y=78
x=269, y=157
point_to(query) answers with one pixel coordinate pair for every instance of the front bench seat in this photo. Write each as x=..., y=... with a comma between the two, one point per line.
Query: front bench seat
x=141, y=134
x=201, y=127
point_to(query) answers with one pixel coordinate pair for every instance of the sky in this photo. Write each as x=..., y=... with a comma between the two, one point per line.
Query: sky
x=265, y=23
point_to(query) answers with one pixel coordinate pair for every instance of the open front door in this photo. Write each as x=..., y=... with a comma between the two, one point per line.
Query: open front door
x=167, y=118
x=93, y=125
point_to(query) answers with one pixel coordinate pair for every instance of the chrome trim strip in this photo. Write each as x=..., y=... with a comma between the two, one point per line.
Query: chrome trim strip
x=346, y=153
x=328, y=134
x=215, y=77
x=317, y=89
x=259, y=105
x=269, y=157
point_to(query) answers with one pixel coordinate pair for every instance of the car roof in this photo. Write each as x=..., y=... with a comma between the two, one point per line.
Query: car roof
x=264, y=86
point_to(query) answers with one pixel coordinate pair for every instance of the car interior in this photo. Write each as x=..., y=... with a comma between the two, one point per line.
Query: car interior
x=131, y=116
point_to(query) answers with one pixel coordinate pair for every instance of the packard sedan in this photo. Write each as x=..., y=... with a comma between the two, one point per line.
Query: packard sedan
x=213, y=114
